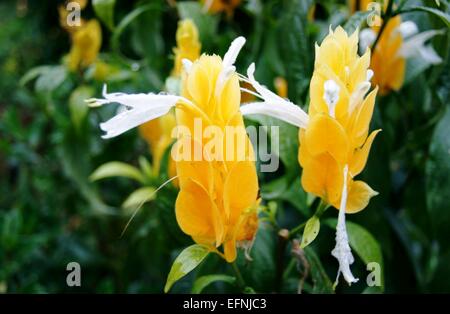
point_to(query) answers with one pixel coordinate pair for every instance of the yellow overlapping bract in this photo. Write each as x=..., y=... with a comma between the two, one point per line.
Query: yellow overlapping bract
x=387, y=63
x=217, y=201
x=338, y=137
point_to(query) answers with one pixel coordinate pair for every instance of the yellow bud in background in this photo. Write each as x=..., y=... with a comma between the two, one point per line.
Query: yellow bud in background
x=281, y=86
x=188, y=44
x=218, y=6
x=86, y=43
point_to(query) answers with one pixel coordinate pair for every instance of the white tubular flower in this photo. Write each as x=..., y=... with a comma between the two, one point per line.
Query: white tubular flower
x=342, y=250
x=415, y=46
x=141, y=108
x=229, y=59
x=138, y=109
x=272, y=104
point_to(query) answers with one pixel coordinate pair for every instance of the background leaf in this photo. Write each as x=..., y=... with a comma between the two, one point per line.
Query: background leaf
x=203, y=281
x=188, y=259
x=116, y=169
x=105, y=11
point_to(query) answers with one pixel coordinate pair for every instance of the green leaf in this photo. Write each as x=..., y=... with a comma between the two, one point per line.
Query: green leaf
x=437, y=171
x=139, y=197
x=356, y=20
x=311, y=231
x=188, y=259
x=364, y=244
x=146, y=167
x=440, y=14
x=105, y=11
x=322, y=283
x=204, y=281
x=206, y=23
x=296, y=47
x=50, y=78
x=414, y=67
x=127, y=21
x=77, y=105
x=116, y=169
x=33, y=73
x=288, y=141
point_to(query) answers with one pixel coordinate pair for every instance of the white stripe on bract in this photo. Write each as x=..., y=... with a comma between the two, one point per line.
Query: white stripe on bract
x=342, y=251
x=138, y=109
x=287, y=112
x=415, y=45
x=273, y=105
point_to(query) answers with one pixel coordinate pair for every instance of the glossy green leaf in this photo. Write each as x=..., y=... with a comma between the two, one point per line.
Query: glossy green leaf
x=311, y=231
x=51, y=78
x=206, y=23
x=296, y=47
x=440, y=14
x=356, y=20
x=105, y=11
x=116, y=169
x=77, y=105
x=204, y=281
x=188, y=259
x=139, y=197
x=438, y=180
x=321, y=281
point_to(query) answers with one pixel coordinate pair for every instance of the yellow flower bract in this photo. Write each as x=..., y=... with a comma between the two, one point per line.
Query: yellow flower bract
x=388, y=65
x=217, y=201
x=332, y=141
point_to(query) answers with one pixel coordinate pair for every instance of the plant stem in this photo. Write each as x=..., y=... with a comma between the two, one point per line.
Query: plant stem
x=387, y=16
x=296, y=229
x=240, y=280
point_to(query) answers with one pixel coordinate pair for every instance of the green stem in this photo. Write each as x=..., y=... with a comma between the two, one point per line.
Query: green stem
x=296, y=229
x=289, y=268
x=387, y=16
x=240, y=280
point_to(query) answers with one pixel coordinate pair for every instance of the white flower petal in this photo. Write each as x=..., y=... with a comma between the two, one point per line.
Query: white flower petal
x=342, y=251
x=230, y=56
x=138, y=109
x=412, y=45
x=228, y=63
x=366, y=38
x=407, y=29
x=285, y=111
x=429, y=55
x=273, y=105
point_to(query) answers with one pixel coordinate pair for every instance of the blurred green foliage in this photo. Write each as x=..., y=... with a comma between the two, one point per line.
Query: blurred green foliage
x=51, y=213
